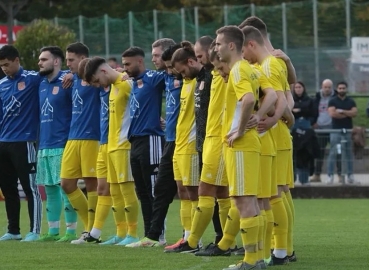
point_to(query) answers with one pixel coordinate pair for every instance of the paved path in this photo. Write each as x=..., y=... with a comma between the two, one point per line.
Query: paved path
x=360, y=179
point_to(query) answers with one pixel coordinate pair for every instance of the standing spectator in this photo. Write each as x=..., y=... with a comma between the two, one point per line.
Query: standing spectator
x=367, y=110
x=323, y=121
x=342, y=109
x=303, y=108
x=113, y=63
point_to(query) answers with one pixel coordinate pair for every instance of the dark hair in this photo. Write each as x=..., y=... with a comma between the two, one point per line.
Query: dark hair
x=251, y=33
x=55, y=51
x=304, y=93
x=92, y=66
x=81, y=68
x=232, y=34
x=257, y=23
x=213, y=55
x=168, y=53
x=8, y=52
x=343, y=82
x=164, y=43
x=79, y=49
x=133, y=51
x=184, y=53
x=205, y=42
x=112, y=59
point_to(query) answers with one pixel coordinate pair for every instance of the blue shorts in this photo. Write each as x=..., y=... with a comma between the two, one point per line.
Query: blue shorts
x=48, y=166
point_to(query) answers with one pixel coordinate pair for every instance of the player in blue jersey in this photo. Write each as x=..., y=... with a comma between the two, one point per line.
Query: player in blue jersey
x=81, y=150
x=19, y=127
x=55, y=117
x=145, y=133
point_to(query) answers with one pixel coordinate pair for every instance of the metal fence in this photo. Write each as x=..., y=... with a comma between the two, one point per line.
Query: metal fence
x=316, y=35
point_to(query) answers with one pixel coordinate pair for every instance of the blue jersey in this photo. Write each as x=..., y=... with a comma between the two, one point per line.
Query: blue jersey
x=172, y=101
x=20, y=109
x=85, y=123
x=55, y=112
x=104, y=115
x=145, y=104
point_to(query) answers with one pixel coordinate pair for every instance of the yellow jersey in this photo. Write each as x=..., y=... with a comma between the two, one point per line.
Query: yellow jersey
x=186, y=126
x=216, y=105
x=119, y=118
x=242, y=80
x=284, y=71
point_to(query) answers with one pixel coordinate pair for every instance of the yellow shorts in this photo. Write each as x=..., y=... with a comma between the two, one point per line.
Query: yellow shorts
x=79, y=159
x=102, y=162
x=186, y=169
x=290, y=177
x=274, y=185
x=243, y=170
x=283, y=160
x=265, y=181
x=119, y=167
x=213, y=166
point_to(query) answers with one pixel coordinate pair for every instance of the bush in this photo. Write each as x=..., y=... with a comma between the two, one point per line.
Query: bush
x=38, y=34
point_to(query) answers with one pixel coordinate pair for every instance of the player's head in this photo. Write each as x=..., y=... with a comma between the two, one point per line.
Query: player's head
x=75, y=53
x=9, y=60
x=299, y=89
x=133, y=60
x=51, y=58
x=112, y=62
x=220, y=66
x=327, y=87
x=97, y=72
x=158, y=47
x=167, y=59
x=229, y=41
x=201, y=49
x=342, y=89
x=81, y=68
x=185, y=62
x=253, y=41
x=257, y=23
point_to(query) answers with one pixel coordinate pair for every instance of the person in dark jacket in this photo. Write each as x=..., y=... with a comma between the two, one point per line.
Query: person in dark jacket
x=303, y=109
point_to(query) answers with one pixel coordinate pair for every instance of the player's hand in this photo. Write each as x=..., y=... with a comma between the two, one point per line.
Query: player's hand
x=296, y=110
x=67, y=81
x=265, y=124
x=163, y=123
x=124, y=77
x=253, y=121
x=280, y=54
x=231, y=137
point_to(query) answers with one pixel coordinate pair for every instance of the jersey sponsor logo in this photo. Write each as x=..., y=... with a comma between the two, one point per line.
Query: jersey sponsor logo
x=21, y=86
x=150, y=73
x=139, y=83
x=55, y=90
x=134, y=107
x=13, y=107
x=47, y=112
x=77, y=102
x=104, y=108
x=176, y=83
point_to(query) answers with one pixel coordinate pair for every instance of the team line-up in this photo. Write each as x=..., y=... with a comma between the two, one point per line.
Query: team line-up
x=224, y=147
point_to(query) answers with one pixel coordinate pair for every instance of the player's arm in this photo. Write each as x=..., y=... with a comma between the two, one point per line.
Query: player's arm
x=336, y=113
x=270, y=97
x=290, y=100
x=288, y=117
x=291, y=72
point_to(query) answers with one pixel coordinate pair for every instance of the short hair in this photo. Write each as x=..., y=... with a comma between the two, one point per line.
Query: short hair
x=213, y=55
x=81, y=68
x=257, y=23
x=92, y=66
x=343, y=82
x=232, y=34
x=79, y=49
x=164, y=43
x=133, y=51
x=55, y=51
x=184, y=53
x=112, y=59
x=251, y=33
x=8, y=52
x=205, y=42
x=168, y=53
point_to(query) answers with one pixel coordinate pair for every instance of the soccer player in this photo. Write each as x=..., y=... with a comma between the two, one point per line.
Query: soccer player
x=122, y=188
x=255, y=51
x=55, y=118
x=242, y=147
x=145, y=133
x=19, y=127
x=81, y=150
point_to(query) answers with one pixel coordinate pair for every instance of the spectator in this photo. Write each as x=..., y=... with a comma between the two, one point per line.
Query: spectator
x=367, y=110
x=113, y=63
x=323, y=121
x=303, y=109
x=342, y=109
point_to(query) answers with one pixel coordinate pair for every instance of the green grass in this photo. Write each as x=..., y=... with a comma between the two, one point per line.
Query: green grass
x=329, y=234
x=361, y=119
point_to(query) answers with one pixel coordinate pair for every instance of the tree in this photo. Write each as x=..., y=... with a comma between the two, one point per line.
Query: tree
x=38, y=34
x=11, y=9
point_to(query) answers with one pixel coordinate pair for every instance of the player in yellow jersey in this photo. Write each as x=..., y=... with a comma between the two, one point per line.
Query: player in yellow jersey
x=242, y=147
x=122, y=188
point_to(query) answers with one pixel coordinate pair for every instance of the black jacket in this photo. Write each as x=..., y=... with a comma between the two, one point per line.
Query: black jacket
x=306, y=105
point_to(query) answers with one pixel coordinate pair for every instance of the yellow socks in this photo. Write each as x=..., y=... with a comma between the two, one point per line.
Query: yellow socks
x=185, y=214
x=290, y=225
x=261, y=235
x=224, y=206
x=280, y=228
x=268, y=233
x=131, y=207
x=250, y=234
x=118, y=210
x=201, y=219
x=102, y=211
x=193, y=209
x=91, y=202
x=291, y=204
x=79, y=202
x=231, y=228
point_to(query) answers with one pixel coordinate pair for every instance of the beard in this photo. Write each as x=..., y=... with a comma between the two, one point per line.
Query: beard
x=133, y=73
x=46, y=72
x=342, y=94
x=193, y=72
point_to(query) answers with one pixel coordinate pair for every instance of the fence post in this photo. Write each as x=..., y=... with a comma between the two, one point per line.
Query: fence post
x=316, y=43
x=225, y=14
x=107, y=42
x=80, y=25
x=252, y=7
x=56, y=21
x=183, y=23
x=196, y=10
x=348, y=23
x=343, y=154
x=155, y=18
x=130, y=18
x=15, y=22
x=284, y=27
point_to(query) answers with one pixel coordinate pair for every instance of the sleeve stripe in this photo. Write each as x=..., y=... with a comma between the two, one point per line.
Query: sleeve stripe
x=266, y=67
x=236, y=73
